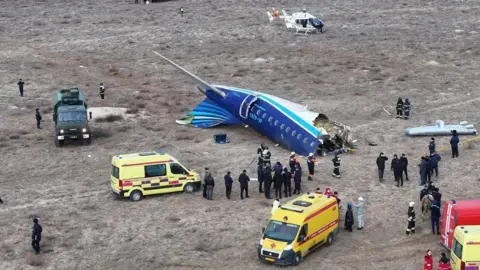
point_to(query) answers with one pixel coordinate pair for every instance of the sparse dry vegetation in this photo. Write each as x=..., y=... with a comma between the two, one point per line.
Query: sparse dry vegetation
x=110, y=118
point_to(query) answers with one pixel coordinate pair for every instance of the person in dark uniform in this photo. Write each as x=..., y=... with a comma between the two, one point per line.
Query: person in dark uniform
x=267, y=177
x=266, y=156
x=399, y=108
x=287, y=182
x=336, y=166
x=278, y=180
x=210, y=184
x=261, y=148
x=404, y=161
x=243, y=179
x=1, y=201
x=435, y=216
x=311, y=166
x=207, y=173
x=102, y=91
x=181, y=11
x=349, y=220
x=397, y=168
x=434, y=159
x=411, y=219
x=260, y=170
x=406, y=109
x=291, y=162
x=297, y=178
x=36, y=235
x=20, y=87
x=454, y=141
x=228, y=184
x=428, y=168
x=381, y=165
x=431, y=145
x=38, y=117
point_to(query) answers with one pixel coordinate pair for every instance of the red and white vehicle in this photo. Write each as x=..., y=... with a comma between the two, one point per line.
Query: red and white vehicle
x=456, y=213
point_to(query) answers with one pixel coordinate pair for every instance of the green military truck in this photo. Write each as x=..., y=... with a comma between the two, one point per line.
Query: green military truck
x=70, y=117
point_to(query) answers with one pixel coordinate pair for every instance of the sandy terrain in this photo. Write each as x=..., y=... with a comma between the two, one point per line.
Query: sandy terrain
x=371, y=53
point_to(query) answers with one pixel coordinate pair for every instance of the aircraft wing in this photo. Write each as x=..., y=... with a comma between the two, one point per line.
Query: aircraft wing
x=203, y=84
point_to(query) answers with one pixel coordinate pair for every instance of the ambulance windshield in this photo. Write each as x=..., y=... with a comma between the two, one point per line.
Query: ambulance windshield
x=281, y=231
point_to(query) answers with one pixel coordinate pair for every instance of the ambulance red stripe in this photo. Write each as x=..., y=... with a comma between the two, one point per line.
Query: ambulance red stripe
x=318, y=212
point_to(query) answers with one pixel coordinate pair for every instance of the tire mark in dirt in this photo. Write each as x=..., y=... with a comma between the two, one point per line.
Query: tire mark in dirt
x=59, y=199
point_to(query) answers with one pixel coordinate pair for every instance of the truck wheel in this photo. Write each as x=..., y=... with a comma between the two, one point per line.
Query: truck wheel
x=189, y=188
x=136, y=195
x=330, y=239
x=86, y=141
x=58, y=143
x=297, y=259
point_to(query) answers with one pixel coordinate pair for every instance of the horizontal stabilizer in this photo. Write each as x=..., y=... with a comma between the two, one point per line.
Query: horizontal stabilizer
x=208, y=114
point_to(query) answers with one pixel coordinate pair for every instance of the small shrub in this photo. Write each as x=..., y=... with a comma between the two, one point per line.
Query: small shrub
x=184, y=137
x=110, y=118
x=469, y=145
x=139, y=97
x=47, y=110
x=114, y=70
x=15, y=137
x=102, y=133
x=35, y=260
x=141, y=105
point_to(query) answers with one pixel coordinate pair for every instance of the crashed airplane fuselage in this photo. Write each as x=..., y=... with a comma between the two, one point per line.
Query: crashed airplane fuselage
x=286, y=123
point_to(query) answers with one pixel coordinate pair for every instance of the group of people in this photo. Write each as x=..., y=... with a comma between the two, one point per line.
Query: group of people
x=398, y=166
x=403, y=108
x=443, y=263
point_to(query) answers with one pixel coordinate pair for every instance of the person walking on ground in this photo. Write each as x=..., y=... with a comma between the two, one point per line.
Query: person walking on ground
x=454, y=141
x=210, y=183
x=181, y=11
x=428, y=261
x=102, y=91
x=38, y=117
x=207, y=173
x=267, y=176
x=406, y=109
x=428, y=168
x=297, y=178
x=381, y=166
x=434, y=159
x=360, y=213
x=399, y=108
x=444, y=263
x=404, y=161
x=336, y=166
x=435, y=216
x=349, y=220
x=36, y=235
x=287, y=182
x=291, y=162
x=243, y=179
x=20, y=87
x=311, y=166
x=411, y=219
x=432, y=146
x=278, y=180
x=228, y=184
x=275, y=206
x=260, y=166
x=423, y=172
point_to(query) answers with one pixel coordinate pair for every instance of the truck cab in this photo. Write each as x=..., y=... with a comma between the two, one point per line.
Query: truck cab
x=70, y=117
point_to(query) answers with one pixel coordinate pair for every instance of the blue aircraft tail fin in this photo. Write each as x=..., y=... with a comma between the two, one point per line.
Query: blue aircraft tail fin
x=208, y=114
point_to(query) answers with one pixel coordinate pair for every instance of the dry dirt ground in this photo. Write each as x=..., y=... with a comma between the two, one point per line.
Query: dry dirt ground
x=371, y=53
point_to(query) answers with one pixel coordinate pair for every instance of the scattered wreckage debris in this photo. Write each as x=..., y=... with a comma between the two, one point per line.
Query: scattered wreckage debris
x=440, y=129
x=337, y=139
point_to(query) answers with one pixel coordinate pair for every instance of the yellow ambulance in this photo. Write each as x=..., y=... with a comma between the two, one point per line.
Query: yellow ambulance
x=298, y=227
x=465, y=252
x=141, y=174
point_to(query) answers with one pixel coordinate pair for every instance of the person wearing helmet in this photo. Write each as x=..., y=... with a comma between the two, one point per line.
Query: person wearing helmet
x=336, y=166
x=36, y=235
x=399, y=108
x=311, y=166
x=291, y=162
x=297, y=178
x=406, y=109
x=411, y=219
x=266, y=156
x=360, y=213
x=349, y=220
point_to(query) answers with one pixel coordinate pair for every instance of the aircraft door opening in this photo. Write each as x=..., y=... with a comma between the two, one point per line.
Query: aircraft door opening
x=246, y=105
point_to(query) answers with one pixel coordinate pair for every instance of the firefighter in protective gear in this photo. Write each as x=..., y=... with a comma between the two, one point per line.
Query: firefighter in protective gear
x=336, y=166
x=260, y=172
x=291, y=162
x=411, y=219
x=311, y=166
x=297, y=178
x=399, y=108
x=406, y=109
x=266, y=156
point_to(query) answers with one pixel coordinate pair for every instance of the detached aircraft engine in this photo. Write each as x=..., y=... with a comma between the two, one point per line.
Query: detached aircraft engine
x=289, y=124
